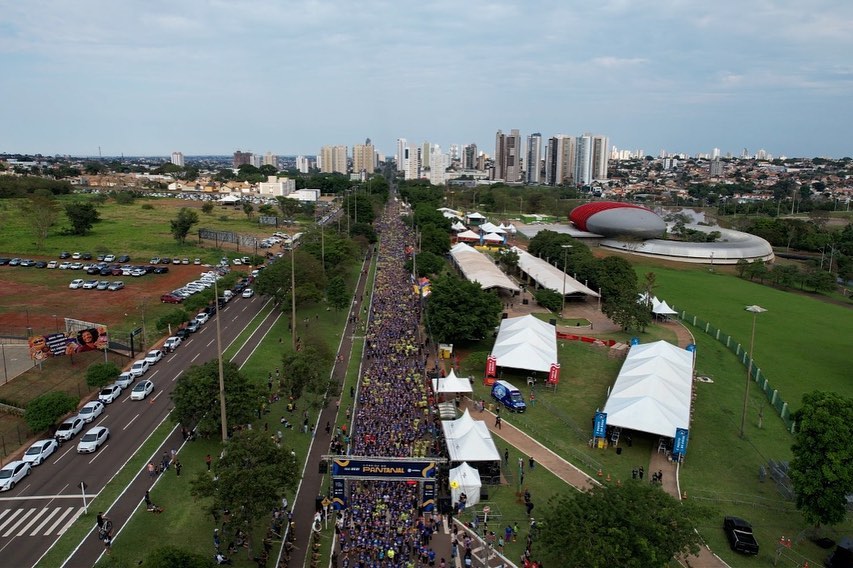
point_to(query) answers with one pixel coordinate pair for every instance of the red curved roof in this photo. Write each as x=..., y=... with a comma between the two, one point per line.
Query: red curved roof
x=580, y=215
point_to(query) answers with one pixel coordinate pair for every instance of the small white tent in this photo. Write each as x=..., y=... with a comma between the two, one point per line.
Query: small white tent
x=465, y=479
x=469, y=440
x=526, y=343
x=663, y=309
x=451, y=383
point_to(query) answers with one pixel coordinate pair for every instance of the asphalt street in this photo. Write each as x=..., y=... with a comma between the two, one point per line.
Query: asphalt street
x=35, y=513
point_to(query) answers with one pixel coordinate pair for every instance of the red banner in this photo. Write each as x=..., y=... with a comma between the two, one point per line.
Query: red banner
x=491, y=366
x=554, y=374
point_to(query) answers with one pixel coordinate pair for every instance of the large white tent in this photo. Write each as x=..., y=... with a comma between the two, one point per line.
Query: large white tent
x=478, y=267
x=653, y=390
x=469, y=440
x=452, y=384
x=526, y=343
x=465, y=479
x=549, y=276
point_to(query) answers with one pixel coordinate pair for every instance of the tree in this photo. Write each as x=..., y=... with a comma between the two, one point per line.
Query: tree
x=41, y=212
x=619, y=291
x=182, y=224
x=207, y=207
x=289, y=207
x=337, y=294
x=435, y=240
x=508, y=259
x=428, y=263
x=100, y=374
x=43, y=411
x=249, y=479
x=174, y=557
x=822, y=468
x=274, y=281
x=459, y=310
x=196, y=397
x=248, y=209
x=632, y=525
x=82, y=215
x=549, y=299
x=741, y=267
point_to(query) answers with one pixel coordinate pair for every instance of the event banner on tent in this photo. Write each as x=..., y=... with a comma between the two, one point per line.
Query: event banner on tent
x=428, y=501
x=599, y=429
x=679, y=446
x=339, y=494
x=384, y=468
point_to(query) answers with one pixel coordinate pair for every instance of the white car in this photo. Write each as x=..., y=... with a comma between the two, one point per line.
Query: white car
x=93, y=439
x=110, y=258
x=141, y=390
x=40, y=451
x=64, y=265
x=12, y=473
x=172, y=343
x=90, y=284
x=109, y=393
x=237, y=262
x=125, y=379
x=139, y=368
x=202, y=318
x=153, y=356
x=69, y=429
x=197, y=261
x=248, y=293
x=52, y=264
x=76, y=283
x=91, y=410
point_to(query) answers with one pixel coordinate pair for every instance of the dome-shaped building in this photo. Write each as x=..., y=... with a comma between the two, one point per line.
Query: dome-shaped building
x=613, y=218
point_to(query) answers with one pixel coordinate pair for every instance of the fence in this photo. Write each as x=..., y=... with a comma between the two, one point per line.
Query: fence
x=752, y=367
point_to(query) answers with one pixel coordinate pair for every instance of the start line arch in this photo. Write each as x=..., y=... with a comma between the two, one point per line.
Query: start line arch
x=346, y=469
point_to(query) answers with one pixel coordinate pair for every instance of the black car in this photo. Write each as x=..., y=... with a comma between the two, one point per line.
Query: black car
x=4, y=261
x=161, y=270
x=149, y=268
x=123, y=258
x=86, y=256
x=101, y=257
x=93, y=270
x=165, y=260
x=64, y=254
x=183, y=333
x=106, y=271
x=40, y=264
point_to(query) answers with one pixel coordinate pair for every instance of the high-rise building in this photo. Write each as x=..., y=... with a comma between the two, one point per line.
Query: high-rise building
x=411, y=162
x=241, y=158
x=178, y=159
x=270, y=159
x=277, y=186
x=303, y=164
x=454, y=152
x=534, y=158
x=560, y=160
x=600, y=157
x=583, y=159
x=333, y=159
x=469, y=157
x=715, y=169
x=715, y=153
x=257, y=160
x=438, y=164
x=402, y=151
x=507, y=163
x=364, y=157
x=426, y=147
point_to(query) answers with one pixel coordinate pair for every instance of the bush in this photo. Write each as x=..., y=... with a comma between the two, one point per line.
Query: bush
x=549, y=299
x=100, y=374
x=43, y=411
x=147, y=206
x=174, y=318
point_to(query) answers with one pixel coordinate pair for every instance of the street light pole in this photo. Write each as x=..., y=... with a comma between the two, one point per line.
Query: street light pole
x=755, y=309
x=222, y=414
x=292, y=298
x=565, y=262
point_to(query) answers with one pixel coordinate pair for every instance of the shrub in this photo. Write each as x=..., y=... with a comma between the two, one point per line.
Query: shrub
x=43, y=411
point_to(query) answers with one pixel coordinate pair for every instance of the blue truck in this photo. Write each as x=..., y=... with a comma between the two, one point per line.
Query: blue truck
x=509, y=396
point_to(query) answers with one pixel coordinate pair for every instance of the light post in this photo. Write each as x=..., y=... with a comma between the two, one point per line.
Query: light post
x=755, y=309
x=292, y=298
x=565, y=263
x=222, y=414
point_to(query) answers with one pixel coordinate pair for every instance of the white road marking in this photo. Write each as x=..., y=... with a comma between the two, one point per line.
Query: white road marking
x=26, y=515
x=156, y=395
x=194, y=358
x=62, y=456
x=70, y=522
x=104, y=447
x=11, y=518
x=131, y=422
x=26, y=527
x=46, y=520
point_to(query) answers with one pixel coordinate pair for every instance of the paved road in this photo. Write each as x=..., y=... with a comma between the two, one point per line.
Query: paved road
x=42, y=507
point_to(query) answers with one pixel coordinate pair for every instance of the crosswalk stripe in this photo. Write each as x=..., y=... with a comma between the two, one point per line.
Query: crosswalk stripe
x=70, y=521
x=59, y=520
x=41, y=512
x=41, y=525
x=25, y=516
x=3, y=513
x=11, y=518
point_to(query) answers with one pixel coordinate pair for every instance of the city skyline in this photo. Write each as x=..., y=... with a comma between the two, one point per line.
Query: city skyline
x=206, y=78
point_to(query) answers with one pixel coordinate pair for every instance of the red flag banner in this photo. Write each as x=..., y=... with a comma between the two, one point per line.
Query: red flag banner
x=554, y=374
x=491, y=366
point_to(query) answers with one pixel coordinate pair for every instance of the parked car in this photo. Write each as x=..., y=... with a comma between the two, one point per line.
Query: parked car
x=193, y=326
x=172, y=343
x=165, y=260
x=161, y=270
x=176, y=260
x=110, y=258
x=93, y=439
x=103, y=285
x=109, y=393
x=76, y=255
x=125, y=379
x=123, y=258
x=153, y=356
x=202, y=317
x=76, y=283
x=185, y=261
x=117, y=285
x=171, y=299
x=52, y=264
x=155, y=260
x=63, y=255
x=40, y=264
x=40, y=451
x=197, y=261
x=86, y=256
x=139, y=368
x=141, y=390
x=90, y=284
x=76, y=265
x=69, y=429
x=182, y=333
x=739, y=533
x=12, y=473
x=248, y=293
x=91, y=410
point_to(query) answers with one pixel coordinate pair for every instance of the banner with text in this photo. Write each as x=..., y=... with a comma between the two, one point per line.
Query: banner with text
x=387, y=468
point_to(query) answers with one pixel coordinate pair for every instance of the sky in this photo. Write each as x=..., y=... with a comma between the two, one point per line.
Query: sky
x=151, y=77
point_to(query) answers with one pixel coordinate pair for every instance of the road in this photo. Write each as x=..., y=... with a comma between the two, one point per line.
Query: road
x=35, y=513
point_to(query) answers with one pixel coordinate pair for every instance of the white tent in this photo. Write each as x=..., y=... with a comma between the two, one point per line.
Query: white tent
x=652, y=392
x=493, y=238
x=526, y=343
x=478, y=267
x=469, y=440
x=451, y=383
x=458, y=227
x=229, y=199
x=468, y=235
x=489, y=227
x=549, y=276
x=465, y=479
x=663, y=309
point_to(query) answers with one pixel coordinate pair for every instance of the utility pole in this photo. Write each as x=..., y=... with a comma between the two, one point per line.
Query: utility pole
x=292, y=299
x=222, y=415
x=565, y=262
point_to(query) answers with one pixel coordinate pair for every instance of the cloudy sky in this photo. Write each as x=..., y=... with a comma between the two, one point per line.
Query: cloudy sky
x=150, y=77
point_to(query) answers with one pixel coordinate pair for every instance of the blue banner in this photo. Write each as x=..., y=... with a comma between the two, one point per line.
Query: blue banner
x=339, y=494
x=428, y=501
x=691, y=347
x=388, y=468
x=635, y=341
x=679, y=446
x=600, y=425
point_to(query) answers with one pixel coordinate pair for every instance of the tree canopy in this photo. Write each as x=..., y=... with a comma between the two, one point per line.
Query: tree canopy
x=41, y=212
x=82, y=215
x=632, y=525
x=459, y=310
x=274, y=281
x=182, y=224
x=822, y=468
x=43, y=411
x=99, y=374
x=196, y=397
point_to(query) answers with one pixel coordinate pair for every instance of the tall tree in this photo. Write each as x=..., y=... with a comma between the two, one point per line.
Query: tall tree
x=82, y=215
x=459, y=310
x=822, y=468
x=248, y=209
x=249, y=479
x=41, y=212
x=435, y=240
x=43, y=411
x=289, y=207
x=632, y=525
x=182, y=224
x=337, y=294
x=196, y=397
